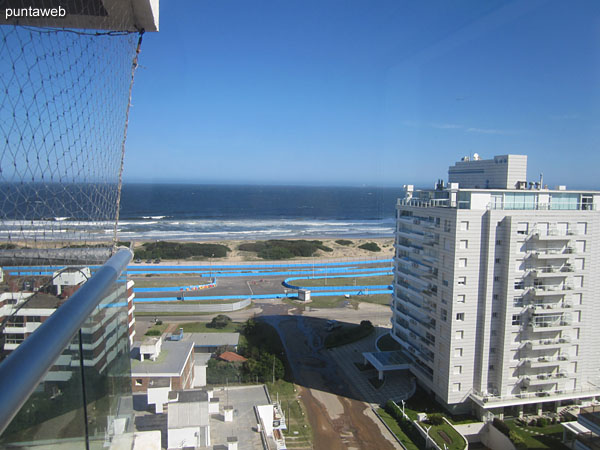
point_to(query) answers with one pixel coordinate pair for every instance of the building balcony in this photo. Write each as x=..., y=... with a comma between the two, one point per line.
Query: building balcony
x=409, y=234
x=554, y=253
x=42, y=368
x=537, y=380
x=551, y=308
x=549, y=326
x=544, y=361
x=547, y=344
x=552, y=289
x=488, y=401
x=551, y=235
x=556, y=271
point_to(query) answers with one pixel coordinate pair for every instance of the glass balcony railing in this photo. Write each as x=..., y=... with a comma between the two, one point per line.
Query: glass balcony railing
x=62, y=396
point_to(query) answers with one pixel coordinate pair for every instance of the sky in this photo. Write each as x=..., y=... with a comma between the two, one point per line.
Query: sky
x=380, y=93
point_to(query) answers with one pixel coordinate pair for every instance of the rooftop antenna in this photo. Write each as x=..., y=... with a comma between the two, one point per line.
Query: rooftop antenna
x=541, y=179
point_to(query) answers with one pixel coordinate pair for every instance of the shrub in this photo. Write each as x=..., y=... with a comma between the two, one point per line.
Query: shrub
x=175, y=250
x=282, y=249
x=435, y=419
x=542, y=422
x=158, y=322
x=501, y=426
x=370, y=246
x=153, y=332
x=219, y=322
x=517, y=440
x=344, y=242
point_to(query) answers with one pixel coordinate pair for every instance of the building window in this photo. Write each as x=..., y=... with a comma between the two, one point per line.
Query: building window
x=495, y=296
x=522, y=227
x=458, y=352
x=139, y=382
x=444, y=314
x=491, y=367
x=496, y=278
x=498, y=242
x=494, y=315
x=461, y=298
x=455, y=387
x=492, y=350
x=463, y=244
x=462, y=281
x=457, y=370
x=464, y=226
x=445, y=282
x=497, y=260
x=519, y=284
x=460, y=316
x=582, y=228
x=462, y=262
x=460, y=334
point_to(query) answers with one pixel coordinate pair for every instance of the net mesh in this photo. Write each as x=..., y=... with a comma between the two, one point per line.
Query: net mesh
x=63, y=113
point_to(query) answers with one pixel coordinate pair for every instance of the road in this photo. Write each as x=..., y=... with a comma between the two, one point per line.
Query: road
x=339, y=420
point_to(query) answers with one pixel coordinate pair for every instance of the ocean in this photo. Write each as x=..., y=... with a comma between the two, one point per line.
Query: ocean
x=218, y=212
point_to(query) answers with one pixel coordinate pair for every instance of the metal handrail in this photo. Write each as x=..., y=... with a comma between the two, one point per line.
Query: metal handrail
x=26, y=366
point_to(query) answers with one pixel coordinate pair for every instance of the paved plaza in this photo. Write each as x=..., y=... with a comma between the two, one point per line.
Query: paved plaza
x=397, y=384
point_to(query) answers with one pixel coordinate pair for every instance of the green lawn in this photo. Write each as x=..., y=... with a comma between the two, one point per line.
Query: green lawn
x=160, y=328
x=341, y=281
x=200, y=327
x=421, y=401
x=336, y=301
x=458, y=443
x=391, y=422
x=551, y=435
x=299, y=433
x=169, y=281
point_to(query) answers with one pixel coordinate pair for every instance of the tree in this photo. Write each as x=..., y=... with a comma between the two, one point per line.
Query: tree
x=219, y=322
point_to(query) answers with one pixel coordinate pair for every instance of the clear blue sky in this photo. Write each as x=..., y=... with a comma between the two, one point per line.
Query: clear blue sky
x=365, y=92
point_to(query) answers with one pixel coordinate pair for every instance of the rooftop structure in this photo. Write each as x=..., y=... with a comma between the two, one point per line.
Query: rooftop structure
x=175, y=361
x=495, y=282
x=211, y=341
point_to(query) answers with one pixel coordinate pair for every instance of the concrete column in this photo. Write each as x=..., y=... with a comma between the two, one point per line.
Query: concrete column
x=228, y=414
x=539, y=409
x=520, y=409
x=232, y=443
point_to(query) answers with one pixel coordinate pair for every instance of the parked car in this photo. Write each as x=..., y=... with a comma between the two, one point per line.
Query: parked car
x=138, y=261
x=332, y=325
x=148, y=261
x=157, y=261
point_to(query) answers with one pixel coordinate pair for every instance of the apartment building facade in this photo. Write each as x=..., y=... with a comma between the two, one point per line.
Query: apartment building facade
x=496, y=290
x=30, y=300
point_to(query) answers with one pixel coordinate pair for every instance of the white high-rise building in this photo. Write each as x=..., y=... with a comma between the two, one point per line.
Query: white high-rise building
x=497, y=289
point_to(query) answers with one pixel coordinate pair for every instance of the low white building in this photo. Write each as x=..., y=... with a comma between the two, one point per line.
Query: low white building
x=189, y=420
x=71, y=276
